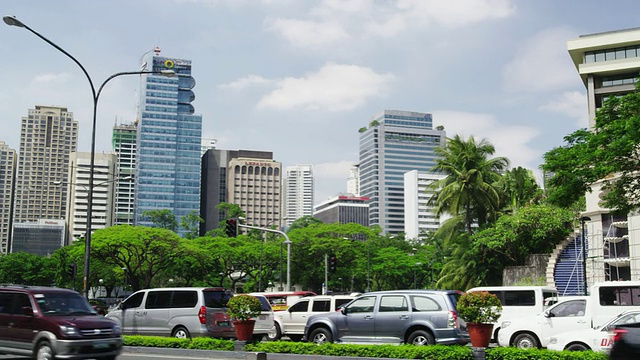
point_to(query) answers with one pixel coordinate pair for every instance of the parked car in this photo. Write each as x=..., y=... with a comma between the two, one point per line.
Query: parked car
x=596, y=339
x=626, y=342
x=419, y=317
x=47, y=323
x=291, y=322
x=264, y=323
x=181, y=312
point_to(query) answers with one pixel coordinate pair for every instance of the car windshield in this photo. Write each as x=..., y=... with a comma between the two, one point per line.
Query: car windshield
x=63, y=304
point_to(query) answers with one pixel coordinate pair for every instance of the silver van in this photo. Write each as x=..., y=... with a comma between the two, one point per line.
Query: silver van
x=181, y=312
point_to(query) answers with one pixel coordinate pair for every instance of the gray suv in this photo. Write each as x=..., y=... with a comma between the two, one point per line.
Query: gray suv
x=419, y=317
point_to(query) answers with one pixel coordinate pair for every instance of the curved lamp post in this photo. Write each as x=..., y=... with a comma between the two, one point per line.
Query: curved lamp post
x=12, y=21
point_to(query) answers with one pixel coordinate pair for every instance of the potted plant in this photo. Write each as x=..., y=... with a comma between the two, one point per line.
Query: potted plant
x=241, y=308
x=480, y=309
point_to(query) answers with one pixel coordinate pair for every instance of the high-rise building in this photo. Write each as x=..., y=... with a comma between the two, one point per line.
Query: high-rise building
x=168, y=141
x=353, y=182
x=8, y=161
x=395, y=142
x=103, y=193
x=608, y=64
x=123, y=142
x=48, y=136
x=419, y=216
x=297, y=193
x=343, y=209
x=251, y=189
x=42, y=237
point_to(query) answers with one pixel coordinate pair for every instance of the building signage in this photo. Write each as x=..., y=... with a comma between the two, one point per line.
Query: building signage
x=256, y=163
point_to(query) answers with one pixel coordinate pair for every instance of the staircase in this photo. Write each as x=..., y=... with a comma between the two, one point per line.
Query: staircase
x=565, y=267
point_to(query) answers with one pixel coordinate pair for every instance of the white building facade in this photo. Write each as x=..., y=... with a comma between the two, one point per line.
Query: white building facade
x=419, y=216
x=297, y=192
x=8, y=161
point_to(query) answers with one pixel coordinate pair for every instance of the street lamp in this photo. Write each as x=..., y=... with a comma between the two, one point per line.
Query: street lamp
x=583, y=237
x=13, y=21
x=288, y=243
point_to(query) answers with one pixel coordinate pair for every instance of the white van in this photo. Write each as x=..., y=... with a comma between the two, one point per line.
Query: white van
x=181, y=312
x=520, y=301
x=605, y=301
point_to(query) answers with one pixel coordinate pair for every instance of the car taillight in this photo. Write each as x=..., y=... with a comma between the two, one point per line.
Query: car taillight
x=617, y=334
x=453, y=319
x=202, y=315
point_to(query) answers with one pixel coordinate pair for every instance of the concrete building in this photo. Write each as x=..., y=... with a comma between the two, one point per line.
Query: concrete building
x=123, y=140
x=343, y=209
x=103, y=193
x=42, y=237
x=353, y=181
x=48, y=136
x=608, y=64
x=256, y=193
x=419, y=215
x=168, y=141
x=394, y=142
x=8, y=161
x=297, y=193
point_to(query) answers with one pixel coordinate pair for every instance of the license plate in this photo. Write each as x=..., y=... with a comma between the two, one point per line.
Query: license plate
x=223, y=323
x=101, y=346
x=262, y=317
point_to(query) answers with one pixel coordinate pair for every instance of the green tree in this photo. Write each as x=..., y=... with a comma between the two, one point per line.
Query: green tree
x=191, y=223
x=28, y=269
x=304, y=221
x=469, y=187
x=164, y=218
x=519, y=188
x=608, y=153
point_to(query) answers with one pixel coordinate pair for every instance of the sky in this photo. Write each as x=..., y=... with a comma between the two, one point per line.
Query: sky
x=299, y=78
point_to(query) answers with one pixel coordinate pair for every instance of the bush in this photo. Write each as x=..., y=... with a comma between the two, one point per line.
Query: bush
x=243, y=307
x=479, y=307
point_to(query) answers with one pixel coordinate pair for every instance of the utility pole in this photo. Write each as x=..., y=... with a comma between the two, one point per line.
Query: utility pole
x=326, y=275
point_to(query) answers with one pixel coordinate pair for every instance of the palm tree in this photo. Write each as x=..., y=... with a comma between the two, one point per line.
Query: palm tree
x=470, y=186
x=519, y=188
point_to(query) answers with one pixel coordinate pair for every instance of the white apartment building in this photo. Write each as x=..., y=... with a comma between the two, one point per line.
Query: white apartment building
x=297, y=192
x=353, y=181
x=8, y=161
x=419, y=215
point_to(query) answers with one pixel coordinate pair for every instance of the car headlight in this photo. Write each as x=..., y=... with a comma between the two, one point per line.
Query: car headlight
x=69, y=330
x=117, y=330
x=505, y=324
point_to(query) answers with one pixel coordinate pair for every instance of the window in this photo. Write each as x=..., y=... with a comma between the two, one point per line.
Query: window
x=393, y=303
x=184, y=299
x=301, y=306
x=321, y=306
x=619, y=295
x=340, y=302
x=362, y=305
x=423, y=303
x=158, y=300
x=570, y=308
x=21, y=301
x=520, y=298
x=133, y=301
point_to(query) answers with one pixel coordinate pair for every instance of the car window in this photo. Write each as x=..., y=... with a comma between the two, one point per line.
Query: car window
x=158, y=300
x=5, y=302
x=321, y=306
x=519, y=298
x=264, y=303
x=216, y=298
x=627, y=319
x=300, y=306
x=184, y=299
x=133, y=301
x=391, y=303
x=340, y=302
x=21, y=301
x=362, y=305
x=569, y=308
x=424, y=303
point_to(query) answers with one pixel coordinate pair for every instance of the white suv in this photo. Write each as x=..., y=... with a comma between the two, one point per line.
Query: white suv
x=291, y=322
x=264, y=323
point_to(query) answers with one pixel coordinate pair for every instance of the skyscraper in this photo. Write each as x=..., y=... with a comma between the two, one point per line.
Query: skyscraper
x=8, y=161
x=395, y=142
x=419, y=216
x=47, y=137
x=168, y=141
x=297, y=193
x=123, y=141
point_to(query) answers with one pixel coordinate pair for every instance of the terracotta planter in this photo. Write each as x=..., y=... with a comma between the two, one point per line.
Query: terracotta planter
x=480, y=334
x=244, y=329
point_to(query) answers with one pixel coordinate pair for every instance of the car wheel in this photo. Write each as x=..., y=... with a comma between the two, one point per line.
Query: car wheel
x=181, y=333
x=295, y=338
x=577, y=347
x=321, y=336
x=526, y=341
x=421, y=337
x=44, y=351
x=275, y=334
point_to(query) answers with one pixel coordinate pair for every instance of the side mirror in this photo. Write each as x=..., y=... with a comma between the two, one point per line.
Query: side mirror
x=344, y=311
x=549, y=314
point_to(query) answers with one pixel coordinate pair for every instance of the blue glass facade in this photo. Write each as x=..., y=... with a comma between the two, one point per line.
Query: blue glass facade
x=168, y=141
x=395, y=142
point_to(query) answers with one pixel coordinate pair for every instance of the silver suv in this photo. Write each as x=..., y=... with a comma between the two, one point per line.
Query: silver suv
x=419, y=317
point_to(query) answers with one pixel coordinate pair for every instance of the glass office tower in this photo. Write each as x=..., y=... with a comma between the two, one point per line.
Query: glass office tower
x=168, y=141
x=394, y=143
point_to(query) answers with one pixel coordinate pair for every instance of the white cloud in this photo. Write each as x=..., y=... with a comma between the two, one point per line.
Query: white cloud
x=309, y=33
x=572, y=104
x=335, y=87
x=244, y=82
x=51, y=78
x=510, y=141
x=330, y=179
x=541, y=63
x=456, y=13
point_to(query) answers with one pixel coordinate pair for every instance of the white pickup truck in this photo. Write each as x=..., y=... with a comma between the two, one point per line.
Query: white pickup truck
x=291, y=322
x=605, y=301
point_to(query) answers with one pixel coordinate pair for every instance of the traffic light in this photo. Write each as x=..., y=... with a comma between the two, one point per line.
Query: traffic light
x=231, y=228
x=72, y=270
x=333, y=263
